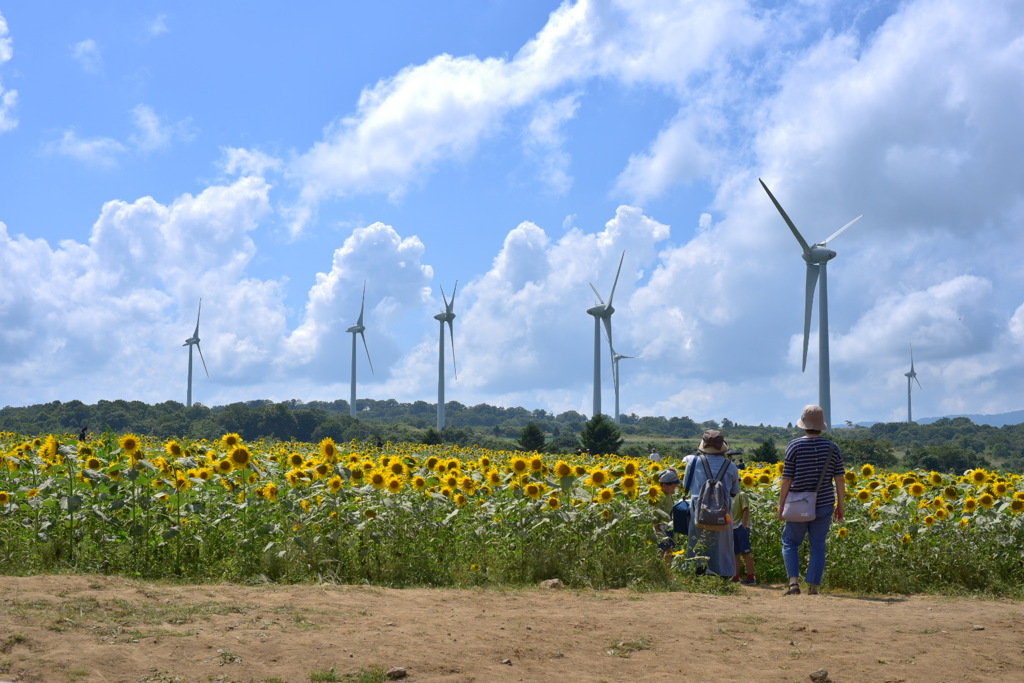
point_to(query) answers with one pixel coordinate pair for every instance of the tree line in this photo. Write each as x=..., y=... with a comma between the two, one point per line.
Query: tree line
x=948, y=445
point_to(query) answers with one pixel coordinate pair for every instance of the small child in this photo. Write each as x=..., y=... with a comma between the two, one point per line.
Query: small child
x=741, y=538
x=664, y=532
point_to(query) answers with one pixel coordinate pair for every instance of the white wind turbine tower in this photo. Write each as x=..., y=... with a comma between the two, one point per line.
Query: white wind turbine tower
x=911, y=377
x=817, y=257
x=358, y=329
x=190, y=342
x=616, y=357
x=602, y=312
x=447, y=316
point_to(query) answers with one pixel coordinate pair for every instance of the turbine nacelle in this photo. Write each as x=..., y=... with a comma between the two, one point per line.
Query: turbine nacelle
x=601, y=311
x=818, y=254
x=358, y=329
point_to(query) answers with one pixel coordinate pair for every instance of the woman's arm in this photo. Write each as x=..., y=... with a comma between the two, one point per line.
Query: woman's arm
x=838, y=513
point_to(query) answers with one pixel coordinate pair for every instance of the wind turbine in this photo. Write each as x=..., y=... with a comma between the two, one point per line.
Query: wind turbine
x=911, y=377
x=817, y=257
x=445, y=317
x=358, y=329
x=190, y=342
x=616, y=357
x=602, y=312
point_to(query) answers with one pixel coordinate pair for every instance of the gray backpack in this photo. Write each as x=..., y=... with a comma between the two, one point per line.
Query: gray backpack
x=714, y=504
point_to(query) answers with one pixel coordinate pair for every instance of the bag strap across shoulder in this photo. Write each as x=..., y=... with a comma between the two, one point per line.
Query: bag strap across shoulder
x=721, y=470
x=824, y=469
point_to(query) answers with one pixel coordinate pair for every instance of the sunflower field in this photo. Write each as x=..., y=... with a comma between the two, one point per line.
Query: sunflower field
x=409, y=514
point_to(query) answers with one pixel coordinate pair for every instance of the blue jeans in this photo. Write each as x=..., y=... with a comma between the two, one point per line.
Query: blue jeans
x=793, y=537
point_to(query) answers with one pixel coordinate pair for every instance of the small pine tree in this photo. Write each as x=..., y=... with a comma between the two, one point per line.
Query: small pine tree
x=601, y=436
x=432, y=437
x=531, y=438
x=766, y=452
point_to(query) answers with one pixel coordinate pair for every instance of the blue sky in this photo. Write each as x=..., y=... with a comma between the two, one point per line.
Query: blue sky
x=271, y=161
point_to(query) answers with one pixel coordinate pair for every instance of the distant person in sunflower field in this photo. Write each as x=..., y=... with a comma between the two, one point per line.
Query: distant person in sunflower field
x=711, y=463
x=655, y=456
x=812, y=464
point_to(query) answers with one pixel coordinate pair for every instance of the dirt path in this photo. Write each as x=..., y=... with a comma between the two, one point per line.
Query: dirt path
x=91, y=629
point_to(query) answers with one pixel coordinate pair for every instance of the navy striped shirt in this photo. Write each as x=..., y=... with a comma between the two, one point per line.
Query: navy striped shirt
x=804, y=459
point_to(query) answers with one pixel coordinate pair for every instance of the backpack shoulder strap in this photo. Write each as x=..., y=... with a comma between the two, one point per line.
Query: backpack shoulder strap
x=707, y=465
x=721, y=470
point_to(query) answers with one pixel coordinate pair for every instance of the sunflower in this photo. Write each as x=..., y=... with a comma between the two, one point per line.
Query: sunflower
x=485, y=462
x=850, y=478
x=231, y=441
x=370, y=513
x=843, y=532
x=461, y=500
x=916, y=489
x=631, y=468
x=749, y=480
x=394, y=485
x=970, y=504
x=5, y=498
x=296, y=459
x=398, y=468
x=764, y=479
x=907, y=538
x=563, y=469
x=536, y=464
x=418, y=483
x=173, y=449
x=867, y=471
x=863, y=495
x=223, y=466
x=494, y=477
x=1017, y=506
x=606, y=513
x=532, y=490
x=93, y=464
x=964, y=522
x=270, y=491
x=986, y=500
x=451, y=481
x=929, y=520
x=467, y=484
x=1000, y=488
x=941, y=513
x=950, y=493
x=378, y=480
x=936, y=478
x=554, y=503
x=328, y=450
x=129, y=443
x=978, y=476
x=357, y=475
x=597, y=478
x=432, y=463
x=605, y=495
x=240, y=457
x=580, y=470
x=629, y=484
x=519, y=465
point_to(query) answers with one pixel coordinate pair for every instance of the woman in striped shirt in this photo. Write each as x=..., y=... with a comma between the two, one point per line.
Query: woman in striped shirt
x=805, y=458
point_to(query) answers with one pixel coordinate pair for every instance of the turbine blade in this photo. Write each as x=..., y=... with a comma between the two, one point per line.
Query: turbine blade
x=450, y=305
x=796, y=233
x=616, y=283
x=596, y=293
x=812, y=281
x=367, y=351
x=451, y=336
x=200, y=349
x=918, y=382
x=838, y=232
x=196, y=333
x=362, y=306
x=444, y=297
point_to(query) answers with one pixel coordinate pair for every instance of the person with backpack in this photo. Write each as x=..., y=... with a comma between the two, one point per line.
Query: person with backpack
x=810, y=461
x=711, y=481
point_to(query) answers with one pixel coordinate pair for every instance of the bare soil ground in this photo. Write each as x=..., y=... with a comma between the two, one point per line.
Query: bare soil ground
x=91, y=628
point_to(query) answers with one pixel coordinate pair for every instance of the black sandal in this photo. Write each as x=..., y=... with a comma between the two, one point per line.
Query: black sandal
x=794, y=589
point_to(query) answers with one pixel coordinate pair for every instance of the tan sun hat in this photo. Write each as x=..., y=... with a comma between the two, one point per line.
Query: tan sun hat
x=713, y=442
x=813, y=418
